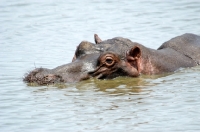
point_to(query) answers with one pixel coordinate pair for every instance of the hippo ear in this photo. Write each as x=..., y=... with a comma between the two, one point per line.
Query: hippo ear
x=133, y=57
x=134, y=53
x=97, y=39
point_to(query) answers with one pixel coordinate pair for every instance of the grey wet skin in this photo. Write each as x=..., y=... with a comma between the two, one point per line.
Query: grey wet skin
x=72, y=72
x=121, y=57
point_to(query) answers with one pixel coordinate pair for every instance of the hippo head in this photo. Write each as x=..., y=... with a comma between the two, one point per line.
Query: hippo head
x=104, y=60
x=111, y=64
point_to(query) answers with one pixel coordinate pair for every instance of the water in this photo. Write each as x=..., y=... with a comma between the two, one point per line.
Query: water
x=46, y=33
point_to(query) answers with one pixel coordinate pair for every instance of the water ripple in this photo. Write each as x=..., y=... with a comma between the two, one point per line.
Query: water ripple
x=46, y=33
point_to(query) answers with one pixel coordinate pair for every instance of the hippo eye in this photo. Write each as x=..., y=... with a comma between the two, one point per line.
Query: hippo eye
x=109, y=61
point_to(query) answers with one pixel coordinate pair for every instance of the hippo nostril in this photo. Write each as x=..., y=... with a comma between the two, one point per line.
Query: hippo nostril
x=49, y=77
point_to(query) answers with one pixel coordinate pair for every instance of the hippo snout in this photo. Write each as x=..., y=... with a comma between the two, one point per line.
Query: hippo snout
x=42, y=76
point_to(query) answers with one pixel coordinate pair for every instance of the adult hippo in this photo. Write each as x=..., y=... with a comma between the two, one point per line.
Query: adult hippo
x=121, y=57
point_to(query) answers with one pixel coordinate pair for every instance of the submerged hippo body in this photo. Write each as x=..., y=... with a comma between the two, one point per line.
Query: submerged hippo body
x=121, y=57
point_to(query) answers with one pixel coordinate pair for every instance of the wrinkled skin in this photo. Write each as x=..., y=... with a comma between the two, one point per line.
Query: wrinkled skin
x=121, y=57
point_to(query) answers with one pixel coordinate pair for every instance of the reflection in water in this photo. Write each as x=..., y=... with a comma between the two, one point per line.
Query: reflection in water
x=116, y=86
x=119, y=85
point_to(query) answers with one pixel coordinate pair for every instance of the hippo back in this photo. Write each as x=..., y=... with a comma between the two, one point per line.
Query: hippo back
x=187, y=44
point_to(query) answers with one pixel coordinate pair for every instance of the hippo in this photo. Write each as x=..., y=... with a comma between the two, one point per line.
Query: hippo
x=108, y=59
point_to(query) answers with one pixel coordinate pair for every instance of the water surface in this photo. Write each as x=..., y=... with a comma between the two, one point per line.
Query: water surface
x=46, y=33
